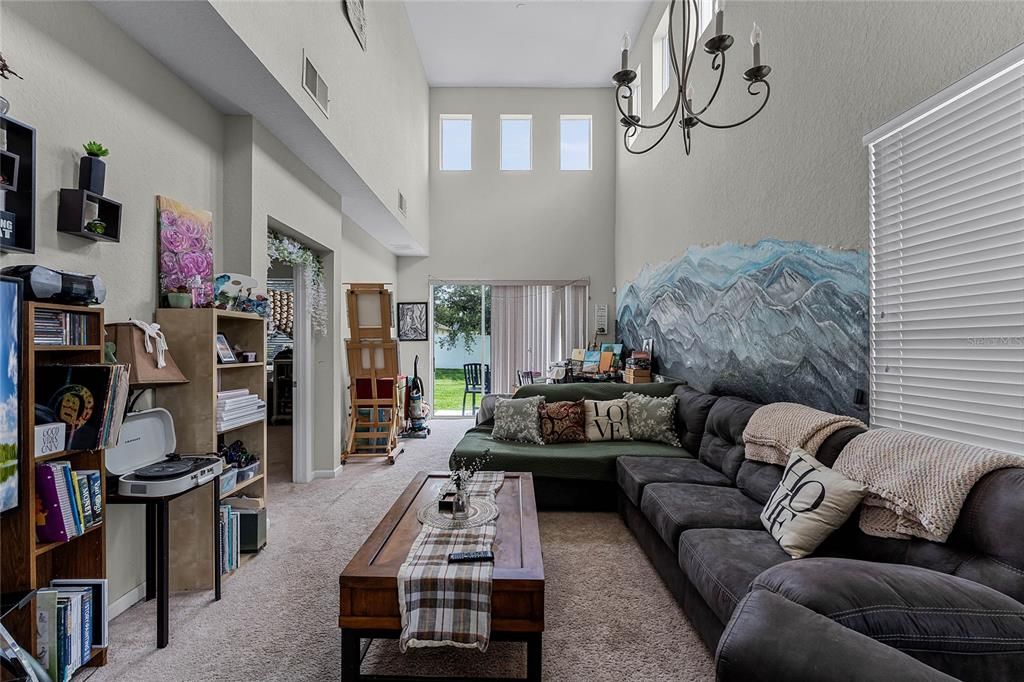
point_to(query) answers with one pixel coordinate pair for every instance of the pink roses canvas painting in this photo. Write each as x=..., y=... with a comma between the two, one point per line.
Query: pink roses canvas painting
x=186, y=251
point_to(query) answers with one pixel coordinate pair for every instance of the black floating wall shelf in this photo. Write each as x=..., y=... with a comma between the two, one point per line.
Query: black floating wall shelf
x=8, y=171
x=17, y=164
x=79, y=209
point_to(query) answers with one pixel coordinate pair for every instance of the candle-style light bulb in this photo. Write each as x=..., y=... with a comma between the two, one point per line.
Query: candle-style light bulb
x=755, y=41
x=720, y=17
x=625, y=41
x=689, y=94
x=625, y=51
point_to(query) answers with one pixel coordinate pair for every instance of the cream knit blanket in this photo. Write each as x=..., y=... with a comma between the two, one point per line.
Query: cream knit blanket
x=917, y=484
x=777, y=428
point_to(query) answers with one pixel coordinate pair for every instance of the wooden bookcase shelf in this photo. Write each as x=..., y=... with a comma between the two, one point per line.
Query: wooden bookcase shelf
x=26, y=563
x=191, y=337
x=21, y=146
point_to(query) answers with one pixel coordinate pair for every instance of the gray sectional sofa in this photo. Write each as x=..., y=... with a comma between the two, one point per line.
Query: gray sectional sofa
x=860, y=608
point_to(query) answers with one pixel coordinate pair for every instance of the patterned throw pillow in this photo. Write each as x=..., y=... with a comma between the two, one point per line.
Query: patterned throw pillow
x=517, y=419
x=809, y=503
x=652, y=418
x=607, y=419
x=562, y=422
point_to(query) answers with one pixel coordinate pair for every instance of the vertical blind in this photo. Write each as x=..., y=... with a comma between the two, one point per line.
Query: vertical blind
x=533, y=326
x=947, y=263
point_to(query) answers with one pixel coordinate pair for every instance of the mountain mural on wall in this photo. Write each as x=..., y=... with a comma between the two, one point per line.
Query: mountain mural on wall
x=773, y=321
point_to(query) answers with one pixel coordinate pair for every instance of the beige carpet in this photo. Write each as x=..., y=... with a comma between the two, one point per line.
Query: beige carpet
x=609, y=617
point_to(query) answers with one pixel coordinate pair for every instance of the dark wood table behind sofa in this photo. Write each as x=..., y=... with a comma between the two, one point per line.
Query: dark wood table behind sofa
x=369, y=586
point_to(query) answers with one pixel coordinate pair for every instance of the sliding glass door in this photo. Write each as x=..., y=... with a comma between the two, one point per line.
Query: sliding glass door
x=462, y=348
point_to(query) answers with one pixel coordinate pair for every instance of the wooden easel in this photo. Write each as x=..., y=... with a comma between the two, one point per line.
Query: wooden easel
x=375, y=405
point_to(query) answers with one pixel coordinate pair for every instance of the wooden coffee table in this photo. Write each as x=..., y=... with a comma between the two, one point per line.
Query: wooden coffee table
x=369, y=586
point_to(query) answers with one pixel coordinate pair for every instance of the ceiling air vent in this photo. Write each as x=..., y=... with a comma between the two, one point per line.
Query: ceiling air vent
x=315, y=85
x=402, y=205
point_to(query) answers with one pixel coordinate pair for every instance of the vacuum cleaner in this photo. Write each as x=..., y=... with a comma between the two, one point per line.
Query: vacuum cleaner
x=416, y=411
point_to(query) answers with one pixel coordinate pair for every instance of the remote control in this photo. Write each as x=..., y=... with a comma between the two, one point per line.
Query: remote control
x=465, y=557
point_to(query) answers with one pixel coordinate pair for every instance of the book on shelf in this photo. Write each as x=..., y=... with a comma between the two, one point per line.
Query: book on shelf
x=229, y=529
x=60, y=328
x=100, y=597
x=90, y=399
x=62, y=498
x=65, y=629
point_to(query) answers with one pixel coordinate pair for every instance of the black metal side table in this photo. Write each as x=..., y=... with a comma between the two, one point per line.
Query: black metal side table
x=158, y=535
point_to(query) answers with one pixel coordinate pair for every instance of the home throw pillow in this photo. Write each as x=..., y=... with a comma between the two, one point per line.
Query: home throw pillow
x=809, y=503
x=652, y=418
x=607, y=419
x=562, y=422
x=516, y=419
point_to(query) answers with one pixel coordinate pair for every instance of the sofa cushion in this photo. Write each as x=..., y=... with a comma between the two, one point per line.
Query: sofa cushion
x=721, y=563
x=636, y=472
x=518, y=420
x=594, y=391
x=562, y=422
x=722, y=445
x=653, y=418
x=758, y=479
x=674, y=507
x=692, y=408
x=580, y=461
x=944, y=621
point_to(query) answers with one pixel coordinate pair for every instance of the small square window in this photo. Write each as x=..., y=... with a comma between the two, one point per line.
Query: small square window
x=456, y=142
x=516, y=142
x=576, y=142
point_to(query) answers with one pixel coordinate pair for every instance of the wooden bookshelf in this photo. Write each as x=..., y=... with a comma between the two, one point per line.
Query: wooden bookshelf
x=191, y=338
x=26, y=563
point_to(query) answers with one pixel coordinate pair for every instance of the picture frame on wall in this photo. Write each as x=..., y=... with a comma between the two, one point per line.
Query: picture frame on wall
x=12, y=437
x=412, y=322
x=225, y=355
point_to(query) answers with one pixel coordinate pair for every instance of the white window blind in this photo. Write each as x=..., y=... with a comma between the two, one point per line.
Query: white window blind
x=947, y=263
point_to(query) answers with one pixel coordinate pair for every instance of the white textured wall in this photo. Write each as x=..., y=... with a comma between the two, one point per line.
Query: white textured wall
x=379, y=98
x=545, y=224
x=84, y=79
x=798, y=171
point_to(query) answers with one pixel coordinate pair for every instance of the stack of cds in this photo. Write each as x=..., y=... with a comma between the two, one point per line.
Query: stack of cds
x=238, y=408
x=56, y=328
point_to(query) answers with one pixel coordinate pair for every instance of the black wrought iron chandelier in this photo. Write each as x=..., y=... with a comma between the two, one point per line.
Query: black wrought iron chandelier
x=683, y=109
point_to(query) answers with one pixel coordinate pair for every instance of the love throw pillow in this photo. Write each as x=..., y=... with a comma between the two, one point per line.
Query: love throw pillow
x=606, y=419
x=810, y=502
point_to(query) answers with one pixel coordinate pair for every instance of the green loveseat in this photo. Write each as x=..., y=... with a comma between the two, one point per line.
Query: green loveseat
x=566, y=475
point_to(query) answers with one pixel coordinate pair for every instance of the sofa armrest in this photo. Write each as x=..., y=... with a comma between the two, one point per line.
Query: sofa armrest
x=770, y=638
x=485, y=413
x=963, y=628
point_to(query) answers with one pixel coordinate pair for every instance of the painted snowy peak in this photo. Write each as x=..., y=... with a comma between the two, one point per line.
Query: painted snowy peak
x=772, y=321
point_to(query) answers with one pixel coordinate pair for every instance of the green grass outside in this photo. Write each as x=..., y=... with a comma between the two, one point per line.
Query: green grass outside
x=449, y=385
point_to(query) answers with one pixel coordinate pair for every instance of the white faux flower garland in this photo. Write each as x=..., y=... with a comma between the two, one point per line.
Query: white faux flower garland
x=287, y=250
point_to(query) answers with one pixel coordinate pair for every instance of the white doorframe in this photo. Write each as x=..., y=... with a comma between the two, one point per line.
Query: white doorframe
x=302, y=382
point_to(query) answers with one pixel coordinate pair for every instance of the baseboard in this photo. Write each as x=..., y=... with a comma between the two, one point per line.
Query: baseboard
x=126, y=601
x=327, y=473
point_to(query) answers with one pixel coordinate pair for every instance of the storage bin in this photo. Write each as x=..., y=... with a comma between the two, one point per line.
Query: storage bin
x=245, y=473
x=228, y=479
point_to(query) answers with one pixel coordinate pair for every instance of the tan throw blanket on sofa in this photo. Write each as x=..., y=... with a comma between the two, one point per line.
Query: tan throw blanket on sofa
x=777, y=428
x=917, y=484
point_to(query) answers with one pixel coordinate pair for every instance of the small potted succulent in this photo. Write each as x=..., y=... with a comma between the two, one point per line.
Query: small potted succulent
x=92, y=169
x=180, y=297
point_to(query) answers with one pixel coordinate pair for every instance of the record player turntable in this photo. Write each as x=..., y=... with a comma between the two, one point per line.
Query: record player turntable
x=145, y=462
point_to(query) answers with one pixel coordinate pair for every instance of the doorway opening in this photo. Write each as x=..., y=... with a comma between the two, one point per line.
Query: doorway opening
x=461, y=348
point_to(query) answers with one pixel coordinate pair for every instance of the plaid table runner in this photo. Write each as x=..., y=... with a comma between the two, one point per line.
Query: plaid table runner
x=446, y=604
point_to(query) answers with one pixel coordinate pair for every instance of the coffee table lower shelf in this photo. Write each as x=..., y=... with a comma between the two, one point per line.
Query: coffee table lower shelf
x=353, y=651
